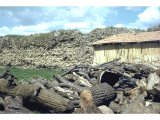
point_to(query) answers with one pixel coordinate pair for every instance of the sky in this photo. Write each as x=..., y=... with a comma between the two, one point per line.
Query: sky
x=30, y=20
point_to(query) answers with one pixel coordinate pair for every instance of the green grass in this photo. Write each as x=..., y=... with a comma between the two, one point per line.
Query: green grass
x=28, y=73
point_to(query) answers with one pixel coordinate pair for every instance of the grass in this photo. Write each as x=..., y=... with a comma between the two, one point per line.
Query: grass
x=28, y=73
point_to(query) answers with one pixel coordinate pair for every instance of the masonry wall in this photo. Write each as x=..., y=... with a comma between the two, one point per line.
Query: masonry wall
x=148, y=53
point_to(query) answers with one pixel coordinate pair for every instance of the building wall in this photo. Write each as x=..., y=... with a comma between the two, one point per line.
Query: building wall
x=148, y=53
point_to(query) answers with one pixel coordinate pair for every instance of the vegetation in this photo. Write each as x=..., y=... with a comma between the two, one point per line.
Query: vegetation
x=28, y=73
x=154, y=28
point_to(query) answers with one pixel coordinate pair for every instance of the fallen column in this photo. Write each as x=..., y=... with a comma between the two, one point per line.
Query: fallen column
x=43, y=96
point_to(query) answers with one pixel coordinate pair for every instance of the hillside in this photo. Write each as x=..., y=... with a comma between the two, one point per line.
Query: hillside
x=60, y=48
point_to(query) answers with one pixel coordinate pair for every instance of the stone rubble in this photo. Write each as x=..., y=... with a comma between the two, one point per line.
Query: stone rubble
x=55, y=49
x=116, y=91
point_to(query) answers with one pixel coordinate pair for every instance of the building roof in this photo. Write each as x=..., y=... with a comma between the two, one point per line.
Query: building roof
x=130, y=38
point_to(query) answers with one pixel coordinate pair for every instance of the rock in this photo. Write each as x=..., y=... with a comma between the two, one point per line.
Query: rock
x=154, y=105
x=1, y=100
x=67, y=93
x=51, y=84
x=152, y=80
x=43, y=83
x=157, y=90
x=1, y=104
x=14, y=105
x=105, y=110
x=158, y=72
x=115, y=107
x=153, y=86
x=142, y=84
x=138, y=107
x=38, y=82
x=81, y=81
x=155, y=93
x=119, y=98
x=23, y=82
x=87, y=104
x=2, y=112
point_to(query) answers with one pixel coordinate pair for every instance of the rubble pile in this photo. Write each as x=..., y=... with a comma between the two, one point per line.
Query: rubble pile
x=109, y=88
x=55, y=49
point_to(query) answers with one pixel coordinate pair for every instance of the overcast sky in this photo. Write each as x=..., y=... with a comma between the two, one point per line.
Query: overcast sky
x=30, y=20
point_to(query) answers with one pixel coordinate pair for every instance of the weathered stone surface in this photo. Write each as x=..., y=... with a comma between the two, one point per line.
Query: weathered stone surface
x=155, y=106
x=51, y=84
x=1, y=105
x=14, y=105
x=105, y=110
x=138, y=107
x=152, y=80
x=1, y=100
x=115, y=107
x=87, y=105
x=119, y=98
x=153, y=86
